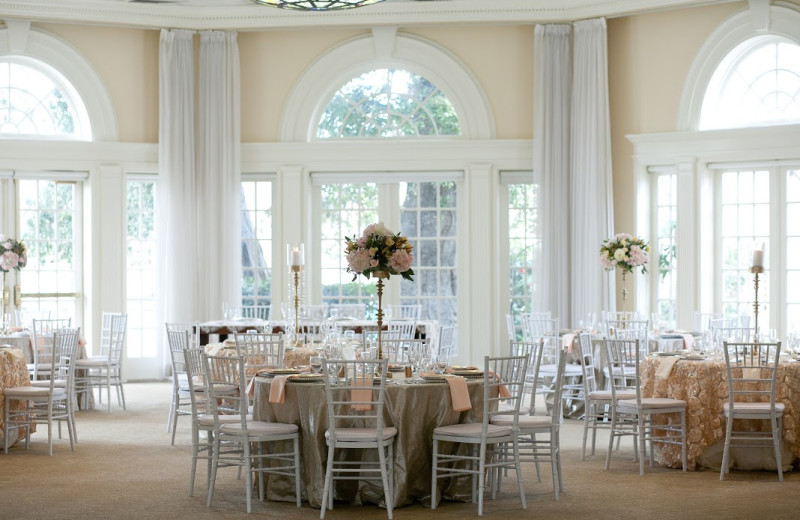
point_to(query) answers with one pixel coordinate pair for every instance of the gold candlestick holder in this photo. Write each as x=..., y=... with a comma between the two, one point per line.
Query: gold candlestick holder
x=296, y=273
x=756, y=270
x=380, y=275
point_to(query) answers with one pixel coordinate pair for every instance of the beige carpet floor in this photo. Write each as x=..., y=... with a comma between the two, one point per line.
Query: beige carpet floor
x=124, y=467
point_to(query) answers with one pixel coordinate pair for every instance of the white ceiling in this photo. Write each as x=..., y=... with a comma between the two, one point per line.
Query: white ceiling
x=244, y=15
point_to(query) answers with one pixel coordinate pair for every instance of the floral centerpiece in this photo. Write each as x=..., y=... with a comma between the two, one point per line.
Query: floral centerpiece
x=379, y=250
x=625, y=252
x=13, y=254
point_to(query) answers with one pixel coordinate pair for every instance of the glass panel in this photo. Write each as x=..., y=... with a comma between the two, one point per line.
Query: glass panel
x=141, y=267
x=524, y=246
x=388, y=103
x=256, y=230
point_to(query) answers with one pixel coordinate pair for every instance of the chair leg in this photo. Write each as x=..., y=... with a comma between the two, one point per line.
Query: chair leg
x=387, y=492
x=481, y=477
x=434, y=457
x=518, y=470
x=248, y=479
x=213, y=474
x=726, y=450
x=327, y=489
x=684, y=461
x=776, y=423
x=642, y=441
x=612, y=434
x=296, y=443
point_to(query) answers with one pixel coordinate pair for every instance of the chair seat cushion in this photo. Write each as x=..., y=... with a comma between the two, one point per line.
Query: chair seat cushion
x=46, y=383
x=525, y=421
x=605, y=395
x=260, y=428
x=652, y=403
x=208, y=420
x=362, y=434
x=92, y=362
x=752, y=408
x=23, y=392
x=471, y=430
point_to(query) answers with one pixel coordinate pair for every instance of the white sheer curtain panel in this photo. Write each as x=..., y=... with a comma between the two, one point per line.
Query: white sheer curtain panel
x=218, y=172
x=592, y=208
x=552, y=72
x=177, y=200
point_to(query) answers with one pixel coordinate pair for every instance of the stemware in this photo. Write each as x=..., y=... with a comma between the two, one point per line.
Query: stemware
x=315, y=362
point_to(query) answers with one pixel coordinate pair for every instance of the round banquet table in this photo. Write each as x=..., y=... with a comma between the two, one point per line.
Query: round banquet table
x=13, y=372
x=414, y=409
x=703, y=385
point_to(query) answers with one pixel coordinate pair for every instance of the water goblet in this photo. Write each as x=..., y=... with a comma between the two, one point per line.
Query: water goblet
x=315, y=362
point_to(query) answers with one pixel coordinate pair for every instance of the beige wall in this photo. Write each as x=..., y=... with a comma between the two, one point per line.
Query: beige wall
x=127, y=62
x=649, y=58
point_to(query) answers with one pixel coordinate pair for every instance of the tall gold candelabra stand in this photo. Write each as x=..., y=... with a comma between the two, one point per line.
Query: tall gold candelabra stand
x=296, y=272
x=380, y=275
x=756, y=270
x=5, y=301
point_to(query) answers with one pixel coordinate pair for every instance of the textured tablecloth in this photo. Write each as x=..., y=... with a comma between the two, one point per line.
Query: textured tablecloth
x=703, y=385
x=414, y=409
x=13, y=372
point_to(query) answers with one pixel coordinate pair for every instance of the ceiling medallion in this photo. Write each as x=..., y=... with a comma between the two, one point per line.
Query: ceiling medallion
x=316, y=5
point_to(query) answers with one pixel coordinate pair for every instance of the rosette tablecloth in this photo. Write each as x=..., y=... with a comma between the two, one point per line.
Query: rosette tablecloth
x=704, y=387
x=13, y=372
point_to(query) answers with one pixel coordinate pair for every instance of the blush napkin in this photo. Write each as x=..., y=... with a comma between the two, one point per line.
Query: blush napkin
x=459, y=393
x=277, y=388
x=362, y=393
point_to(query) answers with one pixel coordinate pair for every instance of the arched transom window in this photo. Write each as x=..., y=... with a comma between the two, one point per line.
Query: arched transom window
x=757, y=84
x=37, y=101
x=388, y=103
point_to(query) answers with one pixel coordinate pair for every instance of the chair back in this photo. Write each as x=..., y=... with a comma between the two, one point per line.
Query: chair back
x=65, y=351
x=116, y=342
x=192, y=329
x=178, y=340
x=628, y=329
x=260, y=350
x=352, y=311
x=193, y=361
x=224, y=382
x=355, y=391
x=42, y=334
x=446, y=346
x=533, y=351
x=405, y=312
x=513, y=328
x=259, y=312
x=622, y=366
x=752, y=370
x=498, y=372
x=583, y=351
x=406, y=328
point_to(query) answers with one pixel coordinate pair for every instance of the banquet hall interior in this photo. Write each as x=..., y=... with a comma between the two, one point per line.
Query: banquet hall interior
x=221, y=164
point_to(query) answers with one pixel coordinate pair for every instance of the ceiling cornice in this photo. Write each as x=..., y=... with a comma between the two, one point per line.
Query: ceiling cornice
x=236, y=15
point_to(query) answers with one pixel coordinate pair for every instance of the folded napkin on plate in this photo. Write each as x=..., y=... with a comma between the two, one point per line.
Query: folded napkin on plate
x=567, y=340
x=665, y=365
x=361, y=396
x=459, y=393
x=277, y=388
x=688, y=341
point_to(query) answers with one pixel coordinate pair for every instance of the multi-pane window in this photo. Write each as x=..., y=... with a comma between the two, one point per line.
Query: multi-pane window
x=256, y=248
x=38, y=102
x=744, y=224
x=428, y=219
x=50, y=224
x=346, y=210
x=140, y=270
x=388, y=103
x=666, y=214
x=792, y=253
x=524, y=245
x=756, y=84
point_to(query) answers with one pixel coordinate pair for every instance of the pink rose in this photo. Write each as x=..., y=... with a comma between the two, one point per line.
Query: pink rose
x=359, y=260
x=400, y=261
x=9, y=260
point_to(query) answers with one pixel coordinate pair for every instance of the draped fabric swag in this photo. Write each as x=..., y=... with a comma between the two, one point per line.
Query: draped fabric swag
x=572, y=163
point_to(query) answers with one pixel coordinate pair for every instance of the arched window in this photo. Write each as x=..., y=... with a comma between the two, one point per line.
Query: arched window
x=388, y=103
x=37, y=101
x=756, y=84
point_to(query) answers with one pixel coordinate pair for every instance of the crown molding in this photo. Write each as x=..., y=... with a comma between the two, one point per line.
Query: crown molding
x=243, y=15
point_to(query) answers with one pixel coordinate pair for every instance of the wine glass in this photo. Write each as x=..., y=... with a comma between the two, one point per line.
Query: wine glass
x=315, y=362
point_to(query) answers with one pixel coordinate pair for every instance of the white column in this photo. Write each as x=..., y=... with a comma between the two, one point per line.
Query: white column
x=687, y=243
x=291, y=225
x=108, y=293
